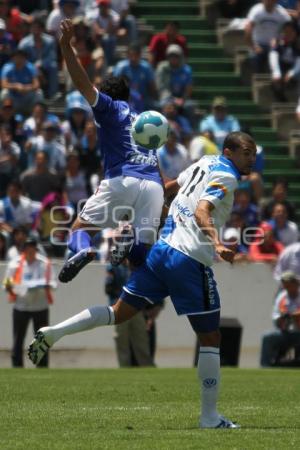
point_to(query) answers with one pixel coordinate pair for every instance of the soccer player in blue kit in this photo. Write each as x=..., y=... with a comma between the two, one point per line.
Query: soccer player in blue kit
x=132, y=186
x=178, y=265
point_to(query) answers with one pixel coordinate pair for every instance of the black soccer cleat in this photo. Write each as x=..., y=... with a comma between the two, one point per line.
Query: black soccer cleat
x=75, y=264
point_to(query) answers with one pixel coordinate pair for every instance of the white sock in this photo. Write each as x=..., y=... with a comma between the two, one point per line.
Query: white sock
x=209, y=377
x=93, y=317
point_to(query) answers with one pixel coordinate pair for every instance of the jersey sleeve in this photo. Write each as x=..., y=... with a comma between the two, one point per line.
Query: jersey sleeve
x=218, y=185
x=183, y=176
x=103, y=103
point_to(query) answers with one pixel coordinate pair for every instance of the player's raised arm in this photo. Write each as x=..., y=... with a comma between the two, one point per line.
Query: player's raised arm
x=78, y=74
x=205, y=221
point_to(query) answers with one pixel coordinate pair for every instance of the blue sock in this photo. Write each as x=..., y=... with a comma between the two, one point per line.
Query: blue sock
x=137, y=254
x=79, y=240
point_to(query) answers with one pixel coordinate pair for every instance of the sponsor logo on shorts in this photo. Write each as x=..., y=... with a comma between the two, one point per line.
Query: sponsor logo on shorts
x=209, y=382
x=210, y=287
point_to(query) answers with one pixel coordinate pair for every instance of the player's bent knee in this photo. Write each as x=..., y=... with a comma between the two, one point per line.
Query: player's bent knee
x=211, y=339
x=123, y=311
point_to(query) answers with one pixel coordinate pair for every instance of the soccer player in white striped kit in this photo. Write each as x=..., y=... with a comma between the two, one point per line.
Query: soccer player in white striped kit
x=178, y=265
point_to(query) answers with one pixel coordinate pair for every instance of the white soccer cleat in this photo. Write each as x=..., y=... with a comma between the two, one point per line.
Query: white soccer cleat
x=222, y=423
x=40, y=345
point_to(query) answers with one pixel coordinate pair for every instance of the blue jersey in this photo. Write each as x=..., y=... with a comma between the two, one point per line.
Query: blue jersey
x=121, y=156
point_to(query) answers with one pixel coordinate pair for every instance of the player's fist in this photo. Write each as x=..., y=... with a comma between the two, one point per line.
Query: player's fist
x=225, y=253
x=67, y=31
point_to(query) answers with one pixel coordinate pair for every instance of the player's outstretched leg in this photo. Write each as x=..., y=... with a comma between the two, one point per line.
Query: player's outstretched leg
x=209, y=377
x=80, y=243
x=88, y=319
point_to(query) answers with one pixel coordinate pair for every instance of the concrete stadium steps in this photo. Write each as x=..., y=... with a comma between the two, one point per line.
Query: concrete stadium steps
x=278, y=162
x=292, y=175
x=254, y=120
x=217, y=79
x=212, y=64
x=264, y=133
x=190, y=22
x=294, y=189
x=163, y=8
x=275, y=147
x=232, y=92
x=235, y=107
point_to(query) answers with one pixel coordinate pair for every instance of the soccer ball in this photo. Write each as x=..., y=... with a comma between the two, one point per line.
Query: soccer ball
x=150, y=129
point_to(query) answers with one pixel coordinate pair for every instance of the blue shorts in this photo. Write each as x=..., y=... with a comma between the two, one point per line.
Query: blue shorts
x=169, y=272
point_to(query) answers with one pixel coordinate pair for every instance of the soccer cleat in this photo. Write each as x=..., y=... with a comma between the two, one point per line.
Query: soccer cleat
x=75, y=264
x=40, y=345
x=123, y=242
x=223, y=423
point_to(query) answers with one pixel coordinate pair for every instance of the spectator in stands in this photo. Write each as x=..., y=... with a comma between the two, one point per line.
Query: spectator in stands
x=29, y=280
x=203, y=144
x=67, y=9
x=39, y=181
x=20, y=82
x=279, y=194
x=265, y=248
x=3, y=246
x=47, y=141
x=73, y=128
x=265, y=21
x=127, y=20
x=220, y=123
x=105, y=24
x=161, y=41
x=11, y=120
x=232, y=239
x=286, y=319
x=16, y=209
x=174, y=79
x=242, y=205
x=90, y=156
x=173, y=157
x=139, y=73
x=9, y=157
x=41, y=51
x=131, y=337
x=177, y=121
x=7, y=44
x=284, y=60
x=289, y=260
x=14, y=19
x=17, y=238
x=75, y=180
x=33, y=125
x=285, y=230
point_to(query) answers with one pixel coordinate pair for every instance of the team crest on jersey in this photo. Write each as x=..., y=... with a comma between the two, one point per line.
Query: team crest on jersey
x=209, y=382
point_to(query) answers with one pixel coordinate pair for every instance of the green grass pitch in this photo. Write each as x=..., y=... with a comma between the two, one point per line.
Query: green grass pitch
x=145, y=409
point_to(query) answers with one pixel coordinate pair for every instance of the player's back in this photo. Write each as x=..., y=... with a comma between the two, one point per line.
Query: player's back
x=214, y=179
x=121, y=156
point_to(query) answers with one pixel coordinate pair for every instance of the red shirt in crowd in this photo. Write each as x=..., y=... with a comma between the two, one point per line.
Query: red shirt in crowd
x=159, y=44
x=265, y=247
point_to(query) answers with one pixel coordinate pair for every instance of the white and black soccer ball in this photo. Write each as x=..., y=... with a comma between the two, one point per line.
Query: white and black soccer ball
x=150, y=129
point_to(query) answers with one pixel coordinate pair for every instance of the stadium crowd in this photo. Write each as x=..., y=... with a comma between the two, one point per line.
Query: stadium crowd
x=49, y=157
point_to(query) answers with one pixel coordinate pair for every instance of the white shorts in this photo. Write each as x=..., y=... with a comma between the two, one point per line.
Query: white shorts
x=120, y=198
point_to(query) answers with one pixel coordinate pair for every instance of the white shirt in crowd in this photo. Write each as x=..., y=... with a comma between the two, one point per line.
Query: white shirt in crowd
x=266, y=25
x=289, y=260
x=21, y=214
x=289, y=234
x=171, y=164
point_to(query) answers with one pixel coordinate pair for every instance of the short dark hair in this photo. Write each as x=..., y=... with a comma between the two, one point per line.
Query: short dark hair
x=174, y=23
x=16, y=184
x=135, y=47
x=116, y=87
x=281, y=180
x=234, y=140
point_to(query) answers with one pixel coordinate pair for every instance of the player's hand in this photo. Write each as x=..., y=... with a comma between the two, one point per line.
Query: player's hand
x=67, y=32
x=225, y=253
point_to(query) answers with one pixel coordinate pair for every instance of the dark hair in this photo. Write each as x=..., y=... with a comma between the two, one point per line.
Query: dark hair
x=20, y=52
x=16, y=184
x=174, y=23
x=281, y=180
x=234, y=140
x=19, y=229
x=116, y=87
x=279, y=204
x=135, y=47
